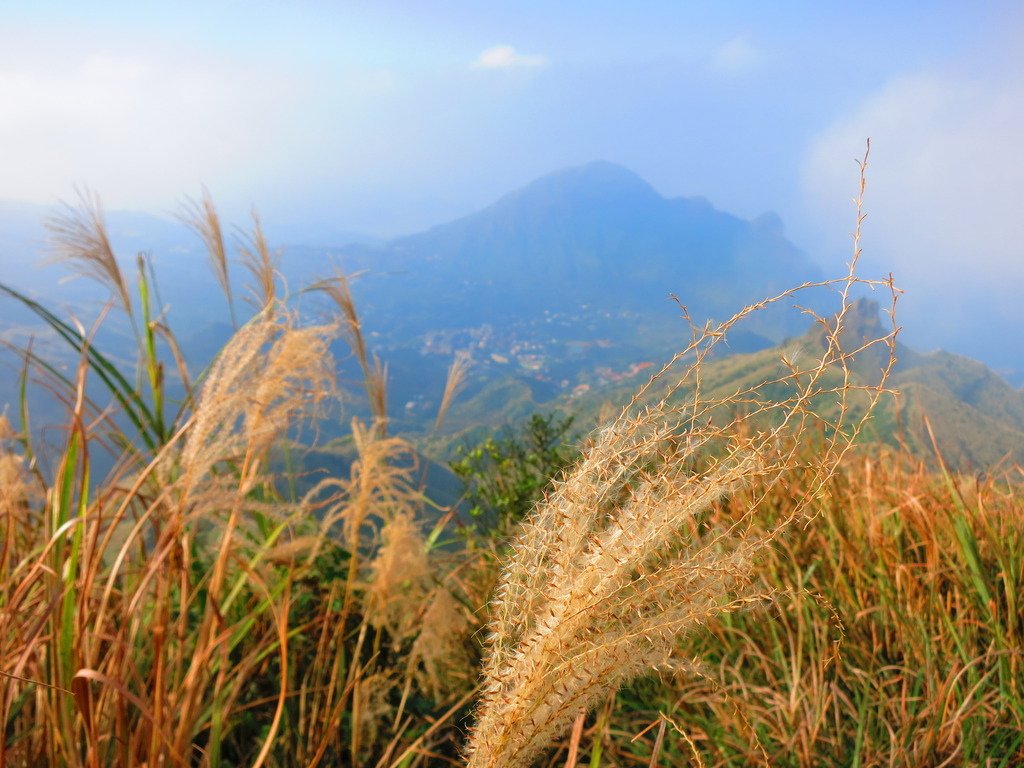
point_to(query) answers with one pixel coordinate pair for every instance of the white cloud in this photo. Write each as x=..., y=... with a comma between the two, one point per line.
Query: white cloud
x=507, y=57
x=735, y=56
x=945, y=176
x=142, y=128
x=943, y=202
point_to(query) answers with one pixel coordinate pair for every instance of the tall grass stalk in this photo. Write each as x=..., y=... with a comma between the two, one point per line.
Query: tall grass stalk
x=896, y=661
x=201, y=216
x=617, y=563
x=182, y=611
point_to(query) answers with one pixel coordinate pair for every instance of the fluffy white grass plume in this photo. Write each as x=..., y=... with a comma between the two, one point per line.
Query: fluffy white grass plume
x=444, y=662
x=400, y=578
x=615, y=564
x=78, y=236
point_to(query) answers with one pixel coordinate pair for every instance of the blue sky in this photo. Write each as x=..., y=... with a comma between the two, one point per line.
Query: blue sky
x=388, y=117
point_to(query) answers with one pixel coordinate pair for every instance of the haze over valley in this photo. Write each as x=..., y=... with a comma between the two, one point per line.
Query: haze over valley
x=573, y=285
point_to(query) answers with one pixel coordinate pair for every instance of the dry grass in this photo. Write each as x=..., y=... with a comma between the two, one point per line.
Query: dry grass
x=182, y=611
x=911, y=652
x=805, y=605
x=616, y=564
x=261, y=264
x=133, y=597
x=201, y=217
x=375, y=373
x=79, y=237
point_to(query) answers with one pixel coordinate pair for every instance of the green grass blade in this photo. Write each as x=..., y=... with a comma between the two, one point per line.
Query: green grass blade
x=154, y=368
x=26, y=426
x=126, y=395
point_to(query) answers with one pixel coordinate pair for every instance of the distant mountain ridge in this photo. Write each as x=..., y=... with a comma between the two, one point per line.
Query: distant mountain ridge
x=561, y=285
x=595, y=235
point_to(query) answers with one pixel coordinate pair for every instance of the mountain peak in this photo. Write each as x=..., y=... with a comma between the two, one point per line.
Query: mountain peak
x=601, y=172
x=598, y=181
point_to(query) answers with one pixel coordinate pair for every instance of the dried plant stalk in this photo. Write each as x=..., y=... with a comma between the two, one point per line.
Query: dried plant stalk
x=608, y=571
x=375, y=374
x=79, y=236
x=613, y=566
x=452, y=386
x=201, y=217
x=261, y=263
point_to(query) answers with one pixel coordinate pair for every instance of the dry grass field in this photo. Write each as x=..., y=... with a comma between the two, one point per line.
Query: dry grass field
x=717, y=582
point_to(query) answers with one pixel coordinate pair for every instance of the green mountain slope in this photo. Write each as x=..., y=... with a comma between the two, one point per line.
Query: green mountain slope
x=976, y=417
